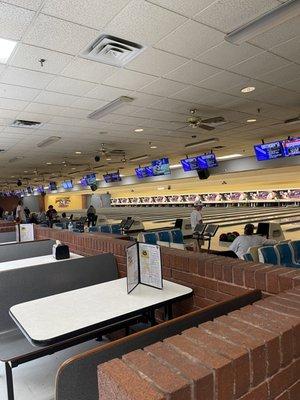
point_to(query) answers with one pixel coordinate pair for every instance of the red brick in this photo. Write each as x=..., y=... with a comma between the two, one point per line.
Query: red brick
x=273, y=281
x=201, y=378
x=228, y=273
x=239, y=275
x=260, y=277
x=236, y=353
x=281, y=381
x=202, y=302
x=170, y=383
x=283, y=396
x=223, y=367
x=250, y=275
x=286, y=279
x=258, y=393
x=217, y=296
x=294, y=390
x=270, y=339
x=270, y=304
x=117, y=381
x=254, y=345
x=231, y=289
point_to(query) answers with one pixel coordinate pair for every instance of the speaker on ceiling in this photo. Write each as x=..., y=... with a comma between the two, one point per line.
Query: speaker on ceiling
x=203, y=173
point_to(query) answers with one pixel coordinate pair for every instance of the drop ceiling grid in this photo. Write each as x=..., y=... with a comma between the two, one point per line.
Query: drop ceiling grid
x=41, y=96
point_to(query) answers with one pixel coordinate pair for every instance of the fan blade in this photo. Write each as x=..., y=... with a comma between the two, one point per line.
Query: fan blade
x=206, y=127
x=213, y=120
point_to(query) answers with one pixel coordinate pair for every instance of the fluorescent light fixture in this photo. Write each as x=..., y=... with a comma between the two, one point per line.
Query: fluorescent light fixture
x=292, y=121
x=139, y=130
x=108, y=159
x=230, y=156
x=48, y=163
x=174, y=166
x=267, y=21
x=110, y=107
x=139, y=158
x=248, y=89
x=251, y=120
x=201, y=143
x=48, y=141
x=6, y=49
x=78, y=152
x=46, y=187
x=161, y=188
x=153, y=147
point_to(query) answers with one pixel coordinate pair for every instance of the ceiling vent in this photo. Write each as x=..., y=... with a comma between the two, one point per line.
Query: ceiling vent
x=2, y=150
x=112, y=50
x=21, y=123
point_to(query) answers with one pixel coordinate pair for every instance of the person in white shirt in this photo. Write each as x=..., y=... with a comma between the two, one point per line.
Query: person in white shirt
x=196, y=215
x=20, y=212
x=242, y=243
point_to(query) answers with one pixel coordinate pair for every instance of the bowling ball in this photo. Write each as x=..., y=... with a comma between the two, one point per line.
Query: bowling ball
x=223, y=237
x=235, y=233
x=231, y=237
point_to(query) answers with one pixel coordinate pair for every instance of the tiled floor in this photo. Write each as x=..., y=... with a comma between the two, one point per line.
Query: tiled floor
x=36, y=380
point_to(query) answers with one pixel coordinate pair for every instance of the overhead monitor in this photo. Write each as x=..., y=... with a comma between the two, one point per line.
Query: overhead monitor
x=161, y=167
x=40, y=189
x=144, y=172
x=52, y=185
x=112, y=177
x=90, y=179
x=210, y=160
x=291, y=147
x=268, y=151
x=193, y=163
x=83, y=181
x=67, y=184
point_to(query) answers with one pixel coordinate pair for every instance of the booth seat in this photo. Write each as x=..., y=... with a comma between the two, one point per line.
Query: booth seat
x=295, y=245
x=286, y=254
x=114, y=228
x=283, y=253
x=169, y=238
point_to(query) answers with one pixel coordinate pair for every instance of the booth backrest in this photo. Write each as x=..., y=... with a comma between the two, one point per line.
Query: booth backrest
x=30, y=283
x=295, y=244
x=77, y=377
x=268, y=255
x=18, y=251
x=7, y=236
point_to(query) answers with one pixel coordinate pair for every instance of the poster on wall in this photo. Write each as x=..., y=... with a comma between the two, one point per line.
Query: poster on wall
x=144, y=266
x=24, y=232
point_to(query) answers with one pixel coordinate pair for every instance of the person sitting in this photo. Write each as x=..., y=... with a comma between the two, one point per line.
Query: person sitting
x=242, y=243
x=64, y=218
x=26, y=212
x=33, y=218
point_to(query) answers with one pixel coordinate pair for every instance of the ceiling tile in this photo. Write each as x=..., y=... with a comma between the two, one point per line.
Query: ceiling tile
x=11, y=104
x=156, y=62
x=281, y=97
x=226, y=54
x=29, y=56
x=192, y=72
x=129, y=79
x=223, y=80
x=279, y=34
x=193, y=94
x=14, y=21
x=87, y=70
x=172, y=105
x=163, y=87
x=289, y=49
x=185, y=41
x=88, y=104
x=59, y=35
x=144, y=22
x=281, y=75
x=70, y=86
x=24, y=77
x=186, y=8
x=110, y=93
x=292, y=85
x=58, y=99
x=30, y=4
x=258, y=65
x=144, y=99
x=260, y=87
x=227, y=15
x=95, y=13
x=18, y=92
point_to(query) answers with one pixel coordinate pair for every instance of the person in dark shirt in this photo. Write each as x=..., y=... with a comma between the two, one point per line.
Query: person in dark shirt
x=51, y=214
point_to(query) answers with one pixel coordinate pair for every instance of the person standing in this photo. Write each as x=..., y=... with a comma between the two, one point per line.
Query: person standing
x=20, y=214
x=51, y=215
x=196, y=215
x=91, y=215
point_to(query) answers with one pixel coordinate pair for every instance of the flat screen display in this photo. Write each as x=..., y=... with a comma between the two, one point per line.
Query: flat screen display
x=90, y=179
x=268, y=151
x=29, y=190
x=40, y=189
x=210, y=160
x=67, y=184
x=83, y=182
x=144, y=172
x=52, y=185
x=291, y=147
x=113, y=177
x=161, y=167
x=193, y=163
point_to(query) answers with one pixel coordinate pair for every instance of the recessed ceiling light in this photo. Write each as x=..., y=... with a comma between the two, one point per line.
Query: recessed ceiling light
x=77, y=152
x=25, y=172
x=6, y=48
x=248, y=89
x=229, y=156
x=160, y=188
x=108, y=159
x=139, y=130
x=73, y=168
x=153, y=147
x=251, y=120
x=49, y=163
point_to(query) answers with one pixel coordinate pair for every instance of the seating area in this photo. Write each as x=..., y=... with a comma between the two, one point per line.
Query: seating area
x=168, y=238
x=286, y=254
x=113, y=228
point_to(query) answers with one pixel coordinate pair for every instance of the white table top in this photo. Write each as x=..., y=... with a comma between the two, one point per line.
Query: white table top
x=30, y=262
x=49, y=319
